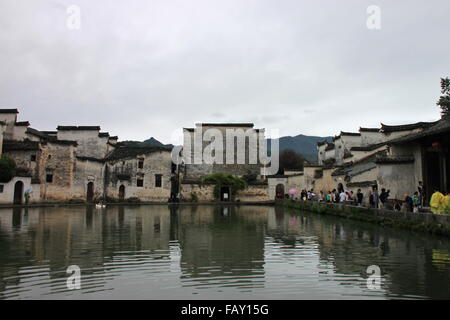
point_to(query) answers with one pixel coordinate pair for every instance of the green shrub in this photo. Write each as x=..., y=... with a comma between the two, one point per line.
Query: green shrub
x=194, y=196
x=219, y=180
x=8, y=168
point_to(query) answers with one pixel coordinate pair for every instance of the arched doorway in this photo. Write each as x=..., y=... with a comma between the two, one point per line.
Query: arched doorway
x=122, y=193
x=90, y=192
x=18, y=192
x=279, y=191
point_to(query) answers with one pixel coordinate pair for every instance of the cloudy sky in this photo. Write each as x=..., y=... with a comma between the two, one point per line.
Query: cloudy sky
x=142, y=68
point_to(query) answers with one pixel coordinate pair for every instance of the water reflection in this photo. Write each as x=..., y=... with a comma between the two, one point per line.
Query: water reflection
x=165, y=252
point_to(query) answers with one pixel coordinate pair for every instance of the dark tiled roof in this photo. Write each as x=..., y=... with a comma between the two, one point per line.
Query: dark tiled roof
x=37, y=133
x=62, y=142
x=395, y=159
x=114, y=138
x=48, y=138
x=330, y=146
x=406, y=127
x=9, y=111
x=103, y=135
x=353, y=134
x=90, y=159
x=226, y=124
x=329, y=163
x=362, y=184
x=23, y=172
x=345, y=168
x=321, y=143
x=26, y=145
x=22, y=124
x=361, y=129
x=440, y=126
x=132, y=152
x=370, y=147
x=78, y=128
x=347, y=154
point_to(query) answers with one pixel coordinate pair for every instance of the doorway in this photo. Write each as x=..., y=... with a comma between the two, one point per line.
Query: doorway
x=122, y=193
x=279, y=191
x=18, y=192
x=225, y=194
x=90, y=192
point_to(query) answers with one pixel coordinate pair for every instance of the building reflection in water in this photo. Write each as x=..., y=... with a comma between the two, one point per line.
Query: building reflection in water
x=222, y=246
x=150, y=250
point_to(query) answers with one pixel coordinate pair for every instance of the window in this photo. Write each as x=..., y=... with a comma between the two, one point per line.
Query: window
x=33, y=157
x=158, y=180
x=49, y=178
x=141, y=164
x=140, y=182
x=1, y=188
x=49, y=156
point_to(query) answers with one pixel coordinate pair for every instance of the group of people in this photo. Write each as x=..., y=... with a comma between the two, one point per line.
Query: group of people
x=439, y=203
x=335, y=196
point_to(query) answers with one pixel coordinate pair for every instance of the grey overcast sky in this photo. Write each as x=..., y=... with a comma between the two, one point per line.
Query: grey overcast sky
x=142, y=68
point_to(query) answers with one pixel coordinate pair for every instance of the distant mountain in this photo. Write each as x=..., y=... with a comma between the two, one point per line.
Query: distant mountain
x=305, y=145
x=152, y=142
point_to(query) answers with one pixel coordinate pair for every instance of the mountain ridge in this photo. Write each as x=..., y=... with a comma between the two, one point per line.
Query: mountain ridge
x=301, y=143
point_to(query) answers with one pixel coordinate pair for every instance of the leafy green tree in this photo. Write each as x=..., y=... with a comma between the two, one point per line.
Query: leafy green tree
x=444, y=100
x=289, y=160
x=219, y=180
x=7, y=168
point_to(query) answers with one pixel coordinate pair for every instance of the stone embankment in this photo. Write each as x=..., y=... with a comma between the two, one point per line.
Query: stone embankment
x=423, y=221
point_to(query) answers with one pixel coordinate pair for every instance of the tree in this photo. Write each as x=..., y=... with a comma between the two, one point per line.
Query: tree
x=444, y=100
x=7, y=168
x=219, y=180
x=289, y=160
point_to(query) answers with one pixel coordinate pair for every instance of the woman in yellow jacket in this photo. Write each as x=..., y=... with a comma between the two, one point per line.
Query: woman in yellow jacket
x=437, y=202
x=446, y=207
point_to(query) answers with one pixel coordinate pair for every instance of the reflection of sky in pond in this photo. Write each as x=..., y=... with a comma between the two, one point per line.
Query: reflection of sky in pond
x=212, y=252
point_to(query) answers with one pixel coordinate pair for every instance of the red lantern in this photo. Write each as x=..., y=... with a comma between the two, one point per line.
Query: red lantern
x=436, y=145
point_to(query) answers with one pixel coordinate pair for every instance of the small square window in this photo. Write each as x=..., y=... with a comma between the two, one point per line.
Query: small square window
x=49, y=178
x=33, y=157
x=49, y=156
x=158, y=180
x=140, y=182
x=1, y=188
x=141, y=164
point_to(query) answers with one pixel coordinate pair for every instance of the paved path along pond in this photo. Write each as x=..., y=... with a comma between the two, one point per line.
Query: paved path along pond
x=213, y=252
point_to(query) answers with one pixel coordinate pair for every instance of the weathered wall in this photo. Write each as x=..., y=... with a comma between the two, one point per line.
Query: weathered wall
x=397, y=178
x=193, y=170
x=254, y=193
x=60, y=162
x=89, y=142
x=126, y=172
x=7, y=196
x=87, y=171
x=19, y=132
x=368, y=138
x=10, y=119
x=203, y=192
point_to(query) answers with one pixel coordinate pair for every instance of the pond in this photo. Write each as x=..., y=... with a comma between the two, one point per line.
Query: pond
x=213, y=252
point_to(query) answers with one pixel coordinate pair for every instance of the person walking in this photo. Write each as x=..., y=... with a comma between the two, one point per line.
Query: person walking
x=384, y=198
x=416, y=202
x=359, y=198
x=376, y=198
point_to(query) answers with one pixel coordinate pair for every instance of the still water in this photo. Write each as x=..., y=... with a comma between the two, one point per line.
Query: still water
x=212, y=252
